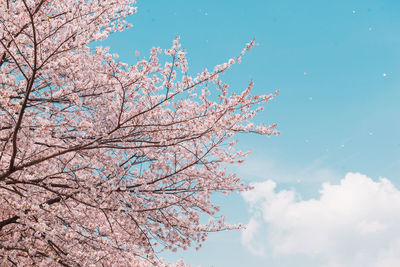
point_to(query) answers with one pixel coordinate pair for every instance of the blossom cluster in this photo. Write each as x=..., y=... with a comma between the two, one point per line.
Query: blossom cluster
x=101, y=162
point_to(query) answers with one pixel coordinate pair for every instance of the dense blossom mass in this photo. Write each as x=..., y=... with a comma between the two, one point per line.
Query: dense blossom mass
x=104, y=163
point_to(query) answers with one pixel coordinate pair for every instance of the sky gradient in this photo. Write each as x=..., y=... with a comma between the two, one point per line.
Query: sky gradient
x=336, y=64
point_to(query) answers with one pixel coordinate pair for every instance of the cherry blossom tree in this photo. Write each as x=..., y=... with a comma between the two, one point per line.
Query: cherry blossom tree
x=104, y=163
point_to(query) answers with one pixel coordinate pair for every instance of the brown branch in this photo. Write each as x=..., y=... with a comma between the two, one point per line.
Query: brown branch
x=15, y=218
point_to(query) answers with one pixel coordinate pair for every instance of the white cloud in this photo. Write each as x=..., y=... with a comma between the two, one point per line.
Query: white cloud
x=353, y=223
x=248, y=237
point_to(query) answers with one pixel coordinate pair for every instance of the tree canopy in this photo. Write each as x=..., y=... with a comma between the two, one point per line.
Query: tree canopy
x=101, y=162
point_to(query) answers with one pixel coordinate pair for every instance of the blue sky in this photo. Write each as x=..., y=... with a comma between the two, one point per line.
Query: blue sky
x=336, y=64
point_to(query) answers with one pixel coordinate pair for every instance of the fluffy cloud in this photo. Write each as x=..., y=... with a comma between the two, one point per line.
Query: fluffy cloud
x=353, y=223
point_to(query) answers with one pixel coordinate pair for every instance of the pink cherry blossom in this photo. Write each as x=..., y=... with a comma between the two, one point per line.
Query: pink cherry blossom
x=104, y=163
